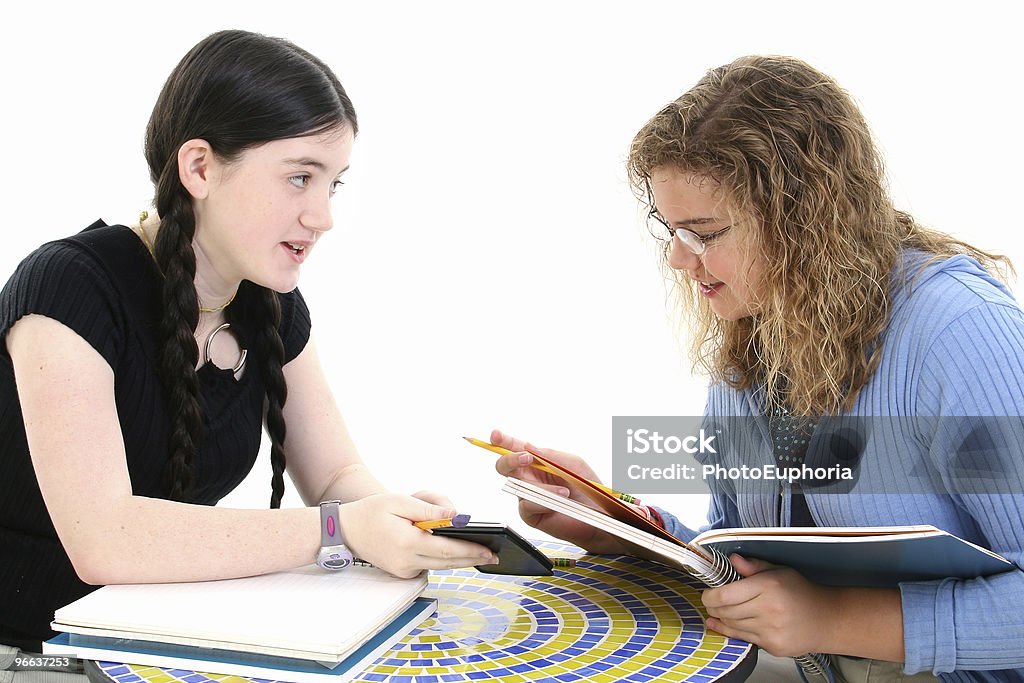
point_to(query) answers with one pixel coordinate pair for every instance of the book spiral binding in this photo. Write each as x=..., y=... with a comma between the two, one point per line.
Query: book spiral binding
x=814, y=666
x=720, y=572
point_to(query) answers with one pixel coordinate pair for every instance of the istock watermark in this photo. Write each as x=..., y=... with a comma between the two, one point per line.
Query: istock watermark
x=647, y=441
x=835, y=455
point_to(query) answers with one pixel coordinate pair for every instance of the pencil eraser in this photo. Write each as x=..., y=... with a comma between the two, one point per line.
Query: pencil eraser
x=460, y=520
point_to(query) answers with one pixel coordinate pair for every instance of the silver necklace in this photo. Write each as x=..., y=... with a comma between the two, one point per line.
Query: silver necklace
x=209, y=343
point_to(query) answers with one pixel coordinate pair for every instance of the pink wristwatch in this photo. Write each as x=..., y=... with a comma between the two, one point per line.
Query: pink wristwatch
x=333, y=554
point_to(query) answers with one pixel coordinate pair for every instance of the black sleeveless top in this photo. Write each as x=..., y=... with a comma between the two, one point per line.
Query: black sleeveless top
x=103, y=284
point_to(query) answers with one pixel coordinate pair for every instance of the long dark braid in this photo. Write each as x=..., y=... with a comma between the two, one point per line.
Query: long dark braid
x=236, y=90
x=260, y=303
x=272, y=351
x=179, y=354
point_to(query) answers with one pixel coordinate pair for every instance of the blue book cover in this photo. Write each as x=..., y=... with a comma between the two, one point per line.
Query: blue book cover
x=836, y=556
x=861, y=557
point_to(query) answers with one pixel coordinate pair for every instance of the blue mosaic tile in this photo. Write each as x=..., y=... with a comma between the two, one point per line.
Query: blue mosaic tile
x=658, y=674
x=503, y=671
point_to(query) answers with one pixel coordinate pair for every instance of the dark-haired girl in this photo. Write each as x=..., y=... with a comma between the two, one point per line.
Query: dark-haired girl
x=141, y=362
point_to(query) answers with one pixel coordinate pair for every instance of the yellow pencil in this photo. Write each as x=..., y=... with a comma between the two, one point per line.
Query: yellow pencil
x=433, y=524
x=489, y=446
x=537, y=465
x=562, y=562
x=624, y=497
x=456, y=521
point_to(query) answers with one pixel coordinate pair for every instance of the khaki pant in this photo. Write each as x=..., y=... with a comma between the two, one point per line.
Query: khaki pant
x=856, y=670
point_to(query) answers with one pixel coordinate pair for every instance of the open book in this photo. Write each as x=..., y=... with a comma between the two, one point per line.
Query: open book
x=304, y=613
x=840, y=556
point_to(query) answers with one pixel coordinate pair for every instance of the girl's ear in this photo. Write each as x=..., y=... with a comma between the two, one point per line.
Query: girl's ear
x=195, y=163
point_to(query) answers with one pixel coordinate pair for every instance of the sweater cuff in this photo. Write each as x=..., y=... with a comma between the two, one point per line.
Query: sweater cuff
x=929, y=643
x=671, y=524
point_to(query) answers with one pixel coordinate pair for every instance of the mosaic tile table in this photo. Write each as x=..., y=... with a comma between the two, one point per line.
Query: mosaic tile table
x=608, y=619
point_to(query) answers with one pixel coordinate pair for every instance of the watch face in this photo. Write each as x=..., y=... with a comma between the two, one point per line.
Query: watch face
x=334, y=558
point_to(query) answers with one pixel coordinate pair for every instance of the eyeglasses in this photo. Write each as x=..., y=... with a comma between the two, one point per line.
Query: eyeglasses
x=664, y=232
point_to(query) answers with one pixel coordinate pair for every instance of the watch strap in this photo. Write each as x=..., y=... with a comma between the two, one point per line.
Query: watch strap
x=333, y=554
x=330, y=523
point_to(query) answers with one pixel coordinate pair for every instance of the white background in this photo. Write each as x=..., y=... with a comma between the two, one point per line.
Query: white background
x=489, y=267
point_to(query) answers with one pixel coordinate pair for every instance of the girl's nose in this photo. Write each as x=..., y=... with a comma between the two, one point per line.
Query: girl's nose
x=681, y=258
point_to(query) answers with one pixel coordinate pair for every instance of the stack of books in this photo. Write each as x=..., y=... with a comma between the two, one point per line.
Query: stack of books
x=304, y=625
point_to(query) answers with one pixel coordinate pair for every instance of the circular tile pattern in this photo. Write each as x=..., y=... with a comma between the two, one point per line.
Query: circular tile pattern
x=608, y=619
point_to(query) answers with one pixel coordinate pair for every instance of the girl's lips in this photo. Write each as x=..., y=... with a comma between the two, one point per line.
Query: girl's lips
x=709, y=290
x=297, y=256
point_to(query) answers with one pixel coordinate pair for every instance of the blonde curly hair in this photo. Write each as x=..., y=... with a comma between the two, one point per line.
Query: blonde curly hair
x=792, y=152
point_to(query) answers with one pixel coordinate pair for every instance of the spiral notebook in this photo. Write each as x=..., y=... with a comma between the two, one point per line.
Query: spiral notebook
x=839, y=556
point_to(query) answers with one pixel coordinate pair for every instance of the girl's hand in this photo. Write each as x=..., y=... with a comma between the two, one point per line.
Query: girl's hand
x=379, y=529
x=517, y=465
x=773, y=607
x=435, y=498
